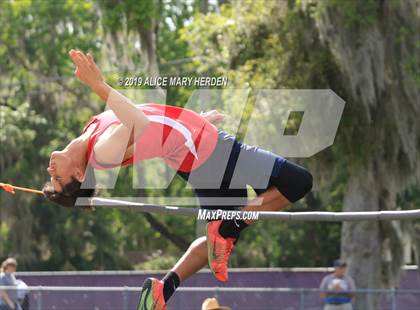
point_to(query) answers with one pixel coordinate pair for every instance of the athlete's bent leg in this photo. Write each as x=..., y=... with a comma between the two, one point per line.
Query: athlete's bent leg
x=289, y=184
x=272, y=200
x=292, y=180
x=196, y=257
x=220, y=246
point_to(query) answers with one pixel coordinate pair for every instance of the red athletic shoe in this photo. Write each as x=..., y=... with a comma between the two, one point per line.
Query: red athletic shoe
x=218, y=251
x=151, y=296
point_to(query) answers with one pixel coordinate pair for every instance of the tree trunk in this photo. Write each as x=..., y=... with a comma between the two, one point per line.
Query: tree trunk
x=148, y=47
x=204, y=6
x=360, y=241
x=383, y=97
x=417, y=250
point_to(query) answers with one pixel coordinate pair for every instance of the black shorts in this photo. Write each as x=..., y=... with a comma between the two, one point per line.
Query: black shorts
x=221, y=182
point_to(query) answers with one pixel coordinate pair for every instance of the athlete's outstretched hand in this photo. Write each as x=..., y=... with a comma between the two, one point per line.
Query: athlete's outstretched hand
x=86, y=69
x=213, y=116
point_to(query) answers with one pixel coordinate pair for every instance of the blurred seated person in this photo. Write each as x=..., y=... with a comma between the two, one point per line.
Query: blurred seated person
x=337, y=288
x=9, y=298
x=23, y=294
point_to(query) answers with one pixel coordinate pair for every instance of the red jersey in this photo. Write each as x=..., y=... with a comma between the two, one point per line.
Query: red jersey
x=181, y=137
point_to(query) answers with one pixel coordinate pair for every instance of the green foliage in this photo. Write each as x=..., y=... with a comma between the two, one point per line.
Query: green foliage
x=42, y=108
x=272, y=49
x=411, y=65
x=354, y=13
x=158, y=261
x=257, y=45
x=38, y=101
x=129, y=14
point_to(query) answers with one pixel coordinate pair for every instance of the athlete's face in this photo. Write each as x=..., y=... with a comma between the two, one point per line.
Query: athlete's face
x=61, y=170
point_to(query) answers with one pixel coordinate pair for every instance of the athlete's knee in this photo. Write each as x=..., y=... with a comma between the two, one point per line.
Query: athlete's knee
x=301, y=187
x=302, y=184
x=306, y=182
x=293, y=181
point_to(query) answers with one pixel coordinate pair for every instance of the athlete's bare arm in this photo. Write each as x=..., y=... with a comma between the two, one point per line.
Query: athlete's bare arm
x=88, y=73
x=114, y=145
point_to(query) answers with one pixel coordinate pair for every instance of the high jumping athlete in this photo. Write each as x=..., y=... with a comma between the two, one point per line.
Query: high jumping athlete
x=214, y=163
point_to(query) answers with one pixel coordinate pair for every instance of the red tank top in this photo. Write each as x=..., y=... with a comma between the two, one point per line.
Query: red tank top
x=181, y=137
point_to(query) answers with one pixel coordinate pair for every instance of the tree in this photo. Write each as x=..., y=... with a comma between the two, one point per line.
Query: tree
x=35, y=117
x=38, y=100
x=374, y=45
x=366, y=52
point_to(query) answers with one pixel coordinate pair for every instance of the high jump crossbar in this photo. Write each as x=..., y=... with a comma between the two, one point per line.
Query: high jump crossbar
x=282, y=216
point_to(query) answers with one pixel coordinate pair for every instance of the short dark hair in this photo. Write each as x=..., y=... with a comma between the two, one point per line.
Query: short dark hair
x=340, y=263
x=71, y=191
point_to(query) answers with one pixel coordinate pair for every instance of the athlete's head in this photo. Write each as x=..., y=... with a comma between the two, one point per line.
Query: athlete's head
x=64, y=169
x=67, y=175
